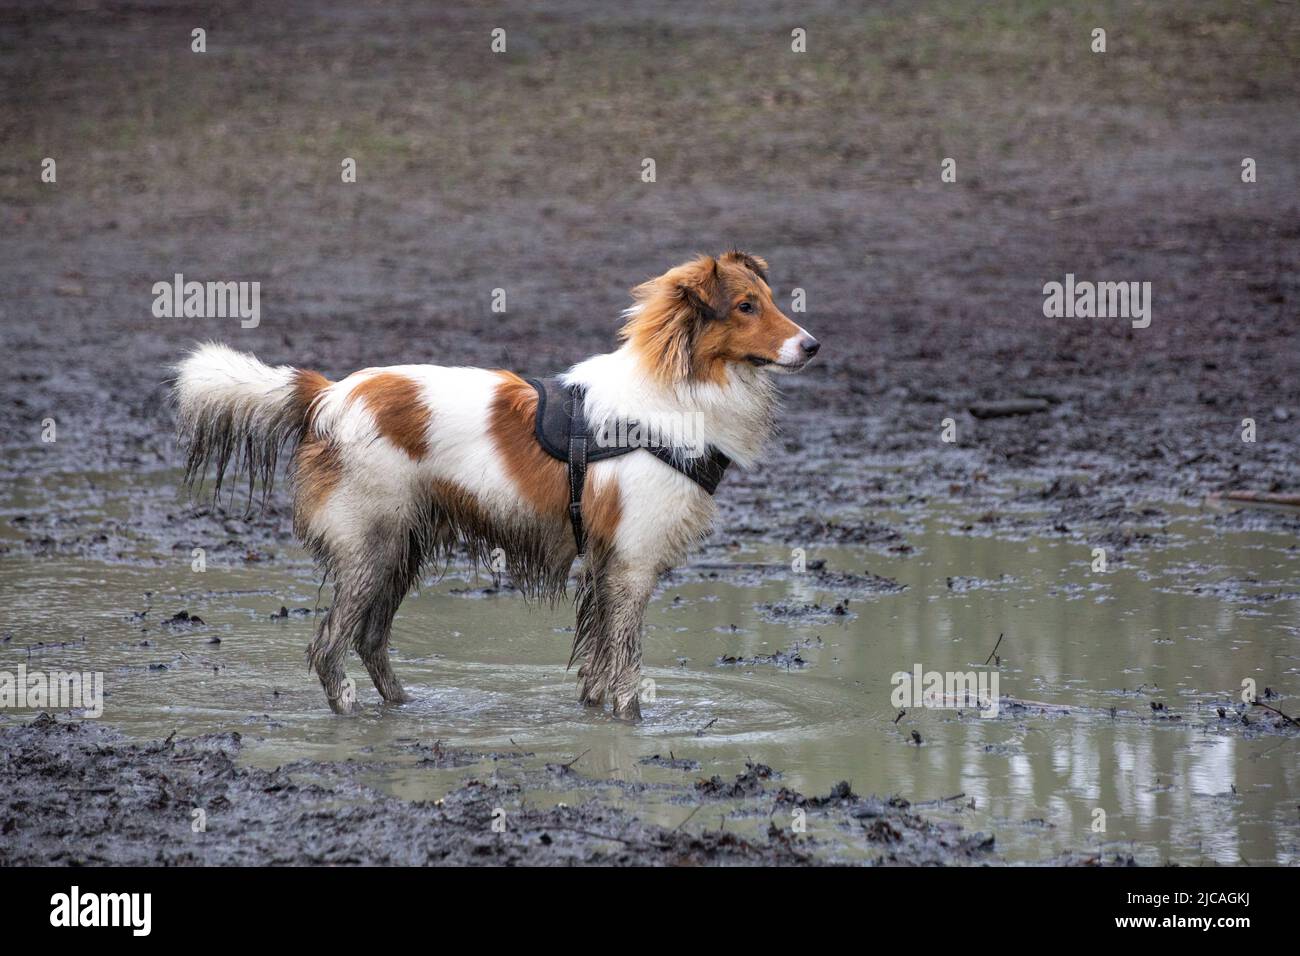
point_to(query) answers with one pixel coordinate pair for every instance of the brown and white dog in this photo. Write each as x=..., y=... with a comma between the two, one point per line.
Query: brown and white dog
x=394, y=467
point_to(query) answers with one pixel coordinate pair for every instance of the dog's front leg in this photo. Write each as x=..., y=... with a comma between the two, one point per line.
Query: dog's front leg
x=629, y=593
x=631, y=597
x=611, y=606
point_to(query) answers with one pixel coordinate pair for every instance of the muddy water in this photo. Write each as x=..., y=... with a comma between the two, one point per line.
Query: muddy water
x=1178, y=623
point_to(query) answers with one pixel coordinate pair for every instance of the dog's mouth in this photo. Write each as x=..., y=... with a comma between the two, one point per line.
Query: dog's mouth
x=759, y=362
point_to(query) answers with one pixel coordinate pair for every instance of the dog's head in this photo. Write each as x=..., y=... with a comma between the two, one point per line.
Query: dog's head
x=694, y=321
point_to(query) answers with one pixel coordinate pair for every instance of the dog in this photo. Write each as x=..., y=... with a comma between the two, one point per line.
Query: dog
x=395, y=468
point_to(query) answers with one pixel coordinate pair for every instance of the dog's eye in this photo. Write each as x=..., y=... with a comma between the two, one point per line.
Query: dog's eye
x=745, y=307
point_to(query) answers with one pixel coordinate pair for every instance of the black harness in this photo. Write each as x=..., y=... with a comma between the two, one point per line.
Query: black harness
x=562, y=430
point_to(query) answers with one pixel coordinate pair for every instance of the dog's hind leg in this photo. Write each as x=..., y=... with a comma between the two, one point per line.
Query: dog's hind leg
x=366, y=595
x=325, y=655
x=372, y=645
x=371, y=642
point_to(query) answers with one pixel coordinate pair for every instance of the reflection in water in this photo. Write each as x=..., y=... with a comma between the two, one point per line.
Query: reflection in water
x=1182, y=625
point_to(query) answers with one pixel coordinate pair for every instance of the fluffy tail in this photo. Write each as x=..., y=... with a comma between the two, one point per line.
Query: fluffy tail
x=235, y=410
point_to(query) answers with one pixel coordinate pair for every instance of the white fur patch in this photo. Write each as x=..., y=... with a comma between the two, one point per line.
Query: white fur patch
x=217, y=376
x=735, y=417
x=792, y=351
x=383, y=478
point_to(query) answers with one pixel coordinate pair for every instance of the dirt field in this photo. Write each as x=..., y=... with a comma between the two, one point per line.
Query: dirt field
x=103, y=801
x=522, y=171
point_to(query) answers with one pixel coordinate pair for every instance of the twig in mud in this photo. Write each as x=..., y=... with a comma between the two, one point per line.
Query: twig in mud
x=700, y=732
x=901, y=715
x=995, y=649
x=1267, y=750
x=569, y=765
x=1287, y=717
x=1009, y=407
x=688, y=818
x=1260, y=497
x=52, y=645
x=606, y=836
x=941, y=800
x=1040, y=704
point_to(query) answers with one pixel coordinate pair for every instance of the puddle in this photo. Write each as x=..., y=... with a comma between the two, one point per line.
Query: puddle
x=788, y=670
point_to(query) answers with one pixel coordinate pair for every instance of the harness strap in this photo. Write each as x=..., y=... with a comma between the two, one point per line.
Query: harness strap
x=577, y=466
x=705, y=470
x=561, y=430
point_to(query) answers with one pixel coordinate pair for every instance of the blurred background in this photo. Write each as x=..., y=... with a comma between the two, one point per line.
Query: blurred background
x=522, y=170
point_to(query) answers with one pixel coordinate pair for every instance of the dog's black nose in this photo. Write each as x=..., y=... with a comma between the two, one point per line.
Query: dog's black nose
x=809, y=345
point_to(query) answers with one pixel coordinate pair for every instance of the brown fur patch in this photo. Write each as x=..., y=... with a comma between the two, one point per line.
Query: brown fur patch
x=754, y=264
x=399, y=410
x=319, y=469
x=688, y=325
x=460, y=506
x=306, y=386
x=541, y=479
x=602, y=509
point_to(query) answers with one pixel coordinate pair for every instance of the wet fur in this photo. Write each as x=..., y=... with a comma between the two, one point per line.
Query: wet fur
x=370, y=505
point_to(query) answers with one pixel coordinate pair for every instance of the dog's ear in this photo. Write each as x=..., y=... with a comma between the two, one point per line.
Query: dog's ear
x=699, y=292
x=670, y=314
x=754, y=264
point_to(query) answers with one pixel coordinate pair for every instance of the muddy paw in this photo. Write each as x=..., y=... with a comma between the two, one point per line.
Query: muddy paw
x=629, y=710
x=588, y=694
x=346, y=701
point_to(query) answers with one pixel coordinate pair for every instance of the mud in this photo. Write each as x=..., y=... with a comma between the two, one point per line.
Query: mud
x=82, y=795
x=787, y=658
x=479, y=172
x=391, y=271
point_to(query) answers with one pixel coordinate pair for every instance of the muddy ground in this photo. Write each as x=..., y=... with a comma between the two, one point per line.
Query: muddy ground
x=521, y=171
x=81, y=795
